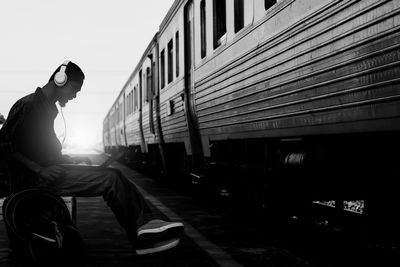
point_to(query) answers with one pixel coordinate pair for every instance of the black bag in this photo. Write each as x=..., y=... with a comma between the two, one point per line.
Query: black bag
x=40, y=228
x=4, y=183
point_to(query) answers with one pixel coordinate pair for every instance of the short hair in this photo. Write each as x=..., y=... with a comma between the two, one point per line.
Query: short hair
x=73, y=71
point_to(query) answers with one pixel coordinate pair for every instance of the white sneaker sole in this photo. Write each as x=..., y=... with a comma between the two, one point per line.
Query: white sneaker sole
x=51, y=240
x=161, y=248
x=159, y=229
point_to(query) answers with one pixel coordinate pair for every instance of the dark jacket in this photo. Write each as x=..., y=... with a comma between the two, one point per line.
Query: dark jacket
x=29, y=129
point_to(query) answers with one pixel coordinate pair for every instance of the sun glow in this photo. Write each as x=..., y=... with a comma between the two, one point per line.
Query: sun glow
x=81, y=137
x=84, y=142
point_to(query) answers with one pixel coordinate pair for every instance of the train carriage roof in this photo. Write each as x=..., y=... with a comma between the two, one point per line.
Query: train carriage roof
x=171, y=12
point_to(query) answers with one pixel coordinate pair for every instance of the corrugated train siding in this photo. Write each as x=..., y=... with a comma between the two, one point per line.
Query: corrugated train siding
x=133, y=131
x=112, y=136
x=344, y=68
x=106, y=138
x=149, y=137
x=120, y=131
x=174, y=126
x=145, y=121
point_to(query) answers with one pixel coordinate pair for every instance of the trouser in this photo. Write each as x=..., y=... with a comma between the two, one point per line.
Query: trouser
x=121, y=194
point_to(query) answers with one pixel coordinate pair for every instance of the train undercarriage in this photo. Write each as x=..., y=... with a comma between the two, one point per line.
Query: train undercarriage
x=340, y=180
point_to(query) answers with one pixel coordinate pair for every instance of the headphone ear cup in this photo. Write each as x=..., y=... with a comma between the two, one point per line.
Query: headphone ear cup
x=60, y=78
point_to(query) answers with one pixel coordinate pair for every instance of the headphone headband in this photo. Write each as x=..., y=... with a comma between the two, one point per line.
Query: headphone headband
x=61, y=77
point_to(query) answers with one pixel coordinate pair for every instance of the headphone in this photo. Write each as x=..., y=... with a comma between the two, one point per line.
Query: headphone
x=61, y=77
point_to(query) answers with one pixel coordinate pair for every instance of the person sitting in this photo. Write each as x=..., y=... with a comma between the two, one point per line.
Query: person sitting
x=36, y=161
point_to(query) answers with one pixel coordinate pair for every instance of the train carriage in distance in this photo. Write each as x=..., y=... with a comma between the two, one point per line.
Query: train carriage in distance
x=278, y=101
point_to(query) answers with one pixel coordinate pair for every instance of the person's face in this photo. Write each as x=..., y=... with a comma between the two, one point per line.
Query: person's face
x=68, y=92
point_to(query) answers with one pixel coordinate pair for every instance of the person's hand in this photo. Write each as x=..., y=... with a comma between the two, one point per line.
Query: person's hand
x=66, y=159
x=51, y=173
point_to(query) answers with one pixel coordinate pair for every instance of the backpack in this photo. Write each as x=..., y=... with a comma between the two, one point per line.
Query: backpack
x=4, y=183
x=5, y=151
x=40, y=228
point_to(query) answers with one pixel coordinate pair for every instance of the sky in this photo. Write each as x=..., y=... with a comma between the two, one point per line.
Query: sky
x=105, y=38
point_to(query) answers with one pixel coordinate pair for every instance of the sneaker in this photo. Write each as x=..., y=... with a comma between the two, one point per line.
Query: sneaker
x=157, y=247
x=156, y=231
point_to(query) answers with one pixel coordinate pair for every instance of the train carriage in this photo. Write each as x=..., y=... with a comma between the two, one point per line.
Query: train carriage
x=150, y=93
x=132, y=126
x=133, y=114
x=305, y=79
x=275, y=100
x=330, y=70
x=173, y=116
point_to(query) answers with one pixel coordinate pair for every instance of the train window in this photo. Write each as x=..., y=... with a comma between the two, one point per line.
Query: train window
x=269, y=3
x=170, y=61
x=144, y=87
x=219, y=22
x=148, y=84
x=162, y=69
x=177, y=53
x=118, y=113
x=131, y=100
x=135, y=97
x=203, y=27
x=129, y=103
x=126, y=105
x=239, y=15
x=154, y=82
x=140, y=93
x=121, y=112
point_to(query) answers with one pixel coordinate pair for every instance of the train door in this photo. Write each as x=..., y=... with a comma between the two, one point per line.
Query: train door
x=188, y=95
x=142, y=140
x=149, y=88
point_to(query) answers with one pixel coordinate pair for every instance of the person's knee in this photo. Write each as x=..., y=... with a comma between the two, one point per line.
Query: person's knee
x=114, y=175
